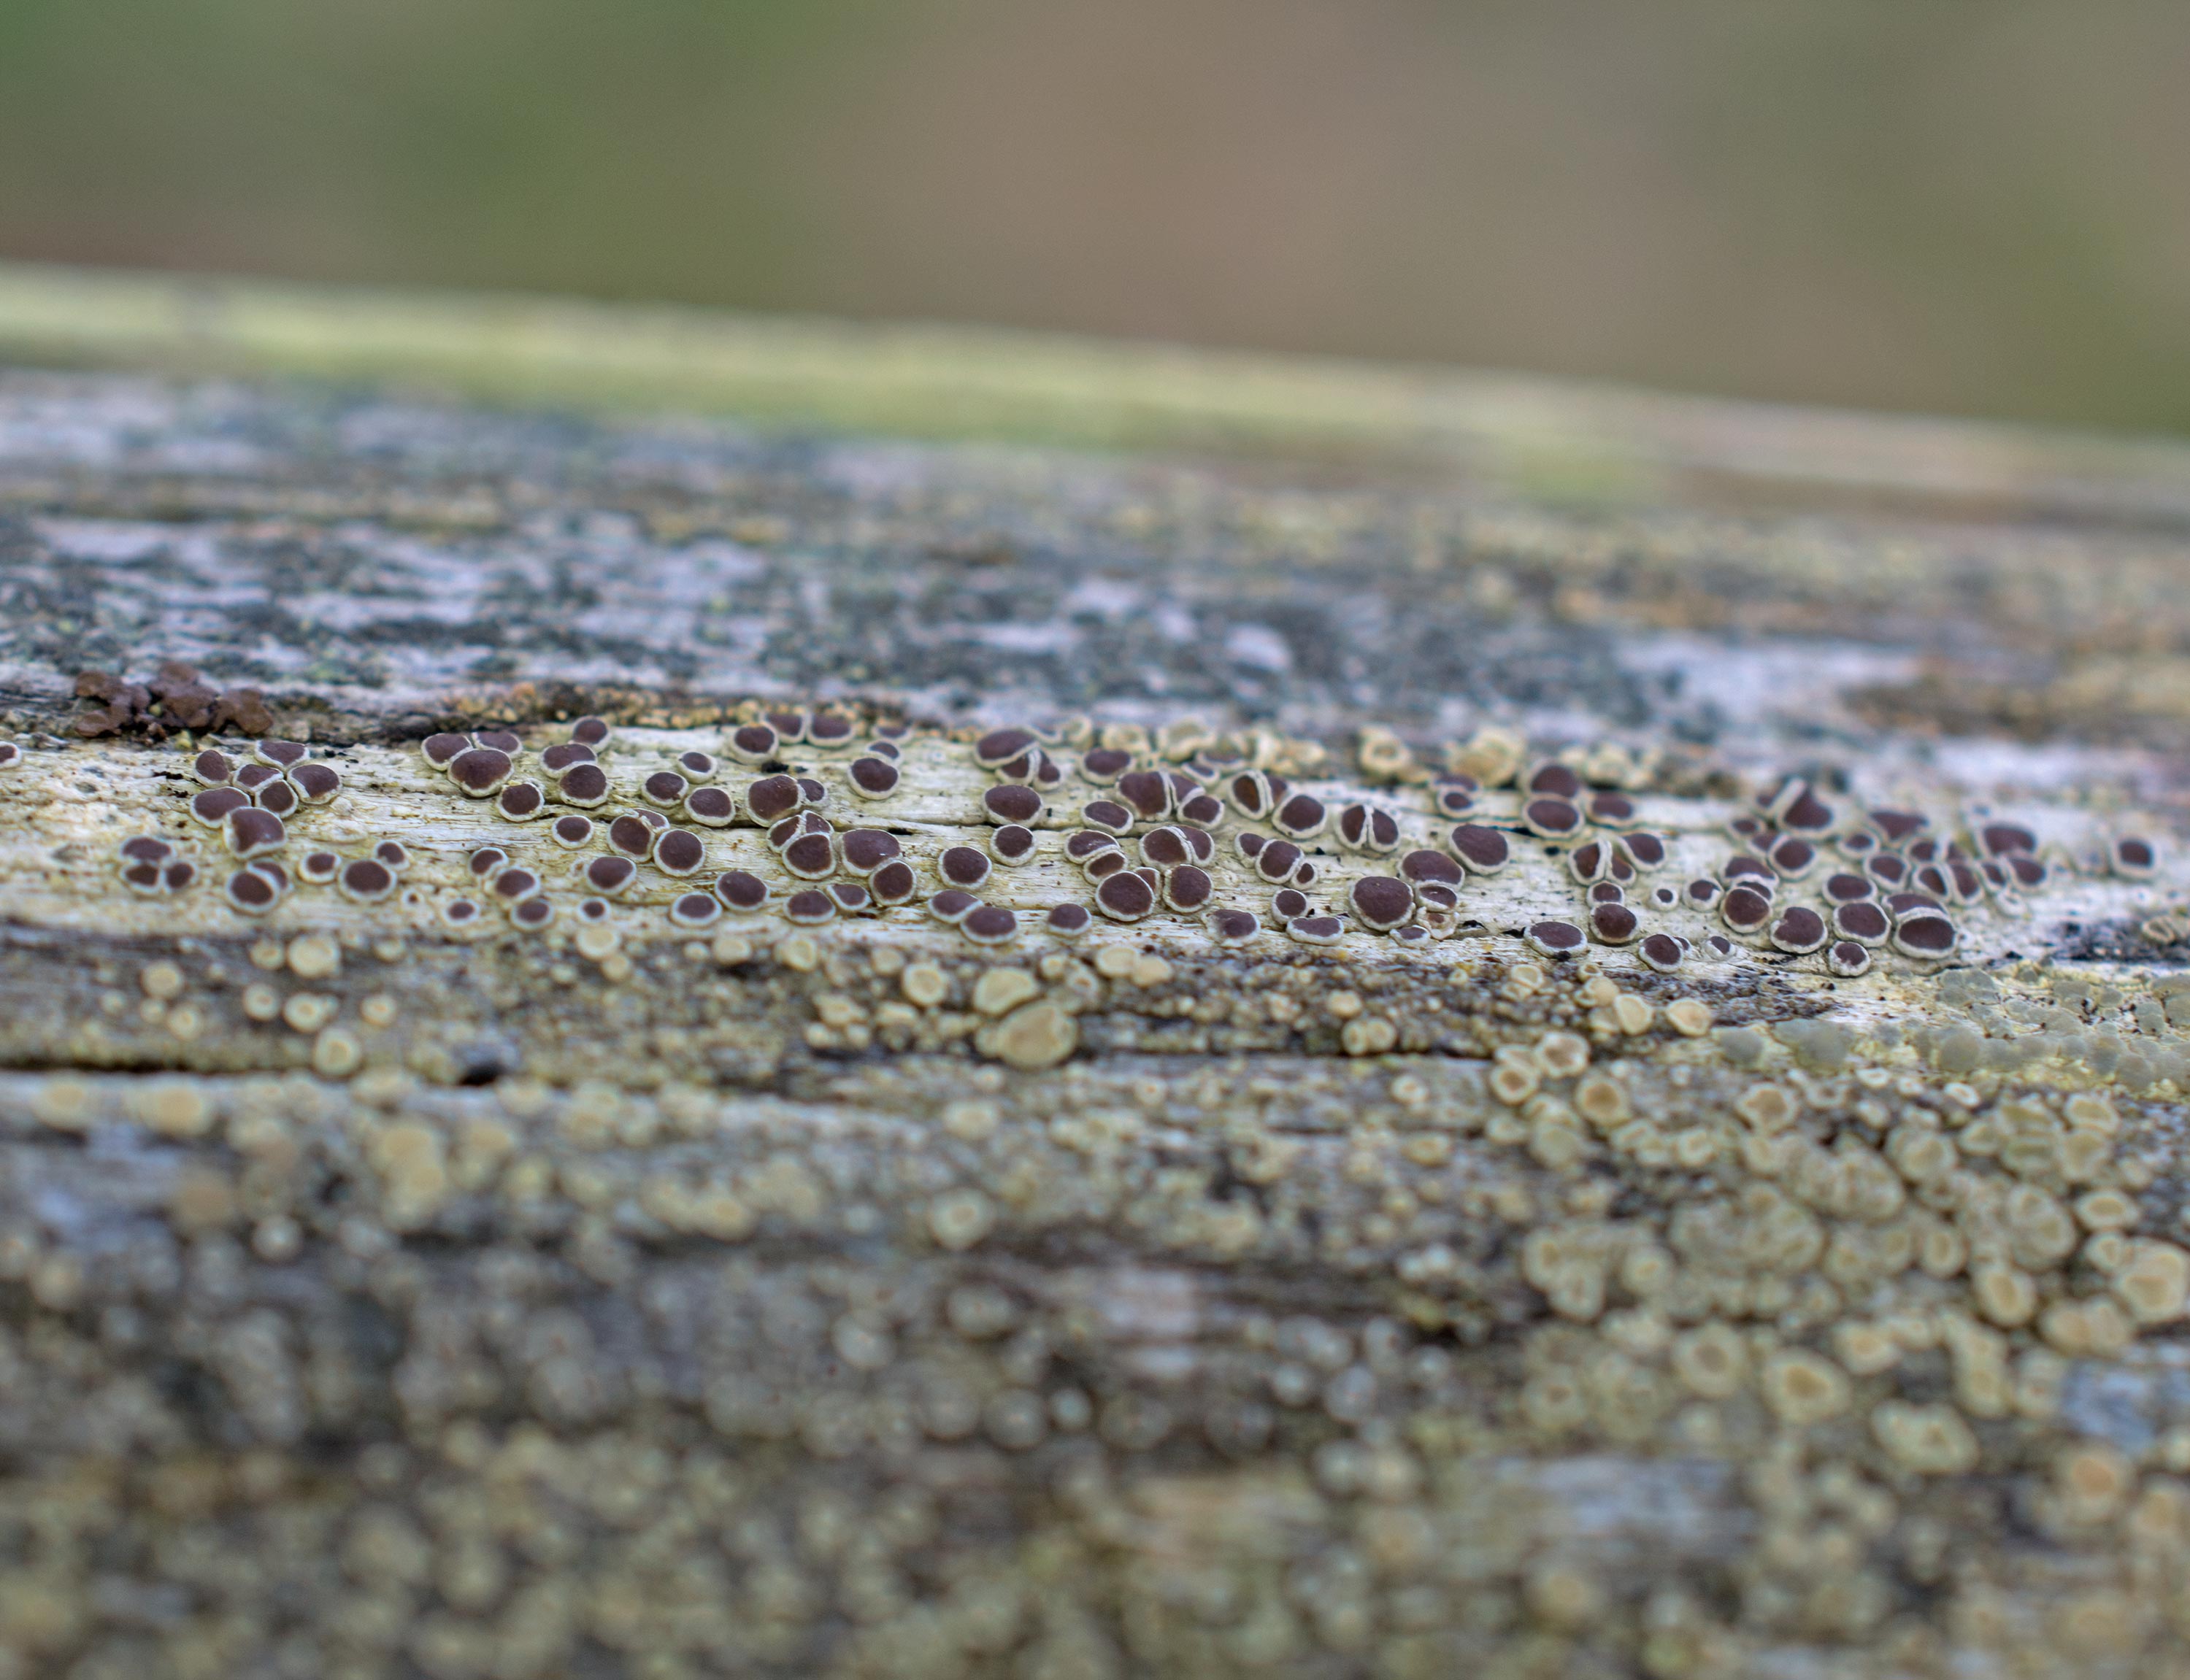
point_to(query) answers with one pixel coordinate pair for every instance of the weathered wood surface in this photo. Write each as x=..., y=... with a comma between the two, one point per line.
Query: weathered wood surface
x=379, y=1300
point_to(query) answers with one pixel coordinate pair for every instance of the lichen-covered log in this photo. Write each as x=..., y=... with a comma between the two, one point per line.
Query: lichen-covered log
x=1505, y=1279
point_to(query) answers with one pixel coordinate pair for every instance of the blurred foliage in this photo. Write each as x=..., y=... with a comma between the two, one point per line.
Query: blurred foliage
x=1963, y=207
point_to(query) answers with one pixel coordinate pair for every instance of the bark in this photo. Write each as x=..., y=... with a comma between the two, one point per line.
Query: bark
x=378, y=1296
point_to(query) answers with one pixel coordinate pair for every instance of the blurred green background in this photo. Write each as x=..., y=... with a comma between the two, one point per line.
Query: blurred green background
x=1977, y=208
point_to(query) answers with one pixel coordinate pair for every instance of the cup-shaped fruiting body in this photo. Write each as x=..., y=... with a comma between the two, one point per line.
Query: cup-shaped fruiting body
x=961, y=865
x=213, y=806
x=590, y=731
x=1164, y=848
x=1147, y=792
x=1806, y=815
x=2133, y=857
x=1034, y=767
x=479, y=772
x=811, y=857
x=773, y=798
x=894, y=883
x=584, y=785
x=696, y=910
x=1281, y=861
x=696, y=766
x=594, y=912
x=999, y=747
x=1068, y=921
x=1289, y=904
x=1316, y=930
x=872, y=778
x=952, y=905
x=273, y=872
x=1108, y=816
x=318, y=867
x=2025, y=871
x=1661, y=952
x=1455, y=793
x=532, y=914
x=1888, y=869
x=1589, y=862
x=1642, y=848
x=1104, y=865
x=1126, y=896
x=559, y=761
x=809, y=907
x=754, y=744
x=1606, y=892
x=1369, y=829
x=279, y=754
x=441, y=750
x=513, y=885
x=1844, y=888
x=852, y=899
x=665, y=789
x=485, y=860
x=502, y=740
x=365, y=880
x=251, y=892
x=610, y=876
x=710, y=807
x=1613, y=810
x=395, y=855
x=1549, y=818
x=790, y=726
x=1744, y=910
x=1013, y=844
x=1302, y=817
x=633, y=835
x=1189, y=889
x=1613, y=923
x=1754, y=872
x=740, y=892
x=1928, y=937
x=1998, y=839
x=571, y=831
x=1423, y=865
x=251, y=777
x=989, y=924
x=278, y=797
x=1082, y=846
x=1234, y=926
x=1381, y=903
x=252, y=832
x=215, y=769
x=144, y=849
x=316, y=782
x=1557, y=780
x=864, y=851
x=1791, y=858
x=461, y=914
x=1102, y=766
x=1201, y=810
x=1895, y=826
x=1011, y=802
x=1555, y=938
x=1863, y=922
x=680, y=852
x=830, y=731
x=1481, y=850
x=1249, y=793
x=1800, y=931
x=1848, y=958
x=790, y=828
x=519, y=802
